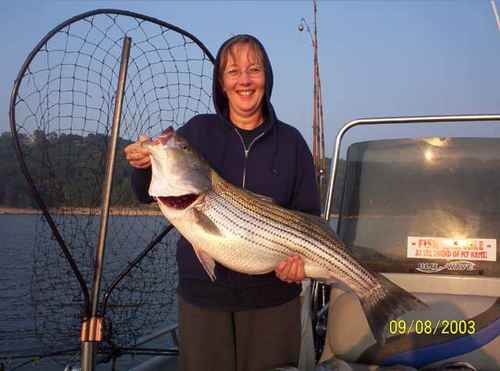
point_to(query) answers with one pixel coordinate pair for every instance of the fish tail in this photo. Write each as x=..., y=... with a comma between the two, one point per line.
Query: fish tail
x=385, y=303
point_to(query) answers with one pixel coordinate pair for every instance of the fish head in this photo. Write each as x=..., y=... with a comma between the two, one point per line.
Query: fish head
x=177, y=169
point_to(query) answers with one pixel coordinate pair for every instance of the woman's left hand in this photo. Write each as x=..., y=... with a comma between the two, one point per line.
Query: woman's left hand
x=291, y=270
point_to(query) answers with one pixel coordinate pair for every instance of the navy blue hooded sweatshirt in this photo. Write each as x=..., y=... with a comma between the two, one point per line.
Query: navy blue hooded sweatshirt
x=278, y=164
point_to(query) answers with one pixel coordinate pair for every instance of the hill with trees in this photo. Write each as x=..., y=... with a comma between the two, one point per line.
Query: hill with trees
x=67, y=169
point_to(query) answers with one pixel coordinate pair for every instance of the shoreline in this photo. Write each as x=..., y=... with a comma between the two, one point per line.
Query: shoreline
x=118, y=211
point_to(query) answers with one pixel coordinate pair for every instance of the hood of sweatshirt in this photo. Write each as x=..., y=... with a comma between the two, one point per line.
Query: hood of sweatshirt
x=219, y=97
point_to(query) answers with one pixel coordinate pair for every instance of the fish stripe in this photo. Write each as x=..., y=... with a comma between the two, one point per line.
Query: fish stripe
x=279, y=216
x=278, y=225
x=252, y=230
x=304, y=247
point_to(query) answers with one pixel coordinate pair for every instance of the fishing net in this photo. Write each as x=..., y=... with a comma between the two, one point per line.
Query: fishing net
x=61, y=116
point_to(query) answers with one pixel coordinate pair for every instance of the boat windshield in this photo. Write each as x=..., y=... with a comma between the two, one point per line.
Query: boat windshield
x=427, y=205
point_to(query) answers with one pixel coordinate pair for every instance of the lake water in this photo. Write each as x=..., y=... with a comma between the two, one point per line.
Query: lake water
x=41, y=301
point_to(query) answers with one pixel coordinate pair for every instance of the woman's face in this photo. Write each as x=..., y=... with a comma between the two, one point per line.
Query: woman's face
x=244, y=84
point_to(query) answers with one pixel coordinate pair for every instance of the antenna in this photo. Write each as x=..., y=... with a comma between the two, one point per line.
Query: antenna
x=318, y=127
x=495, y=12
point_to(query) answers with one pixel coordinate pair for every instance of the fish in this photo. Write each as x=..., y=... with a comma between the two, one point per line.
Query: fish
x=250, y=233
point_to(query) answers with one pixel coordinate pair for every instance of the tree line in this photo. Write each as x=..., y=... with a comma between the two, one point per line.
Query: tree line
x=67, y=169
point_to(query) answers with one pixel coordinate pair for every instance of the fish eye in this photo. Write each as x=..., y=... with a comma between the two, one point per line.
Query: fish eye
x=183, y=145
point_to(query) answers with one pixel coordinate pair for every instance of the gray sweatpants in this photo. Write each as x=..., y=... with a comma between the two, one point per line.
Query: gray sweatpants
x=250, y=340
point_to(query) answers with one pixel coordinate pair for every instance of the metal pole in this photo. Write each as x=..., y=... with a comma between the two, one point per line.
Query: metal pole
x=315, y=94
x=91, y=329
x=495, y=13
x=319, y=150
x=318, y=142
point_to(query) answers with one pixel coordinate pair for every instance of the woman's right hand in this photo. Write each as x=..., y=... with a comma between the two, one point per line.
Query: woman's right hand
x=137, y=155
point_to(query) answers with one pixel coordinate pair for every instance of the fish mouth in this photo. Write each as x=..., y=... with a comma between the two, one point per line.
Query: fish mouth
x=164, y=137
x=178, y=202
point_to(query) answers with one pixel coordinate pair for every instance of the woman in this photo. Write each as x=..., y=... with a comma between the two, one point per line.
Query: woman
x=241, y=322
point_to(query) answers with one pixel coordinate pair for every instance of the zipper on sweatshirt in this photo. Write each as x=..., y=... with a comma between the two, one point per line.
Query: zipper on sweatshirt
x=247, y=151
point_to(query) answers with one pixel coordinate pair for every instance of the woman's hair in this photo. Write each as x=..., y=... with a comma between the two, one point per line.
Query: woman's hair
x=228, y=49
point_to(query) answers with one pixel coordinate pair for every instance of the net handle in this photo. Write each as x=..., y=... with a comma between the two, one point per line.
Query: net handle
x=17, y=146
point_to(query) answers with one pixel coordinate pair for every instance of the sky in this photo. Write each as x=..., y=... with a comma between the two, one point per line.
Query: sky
x=377, y=58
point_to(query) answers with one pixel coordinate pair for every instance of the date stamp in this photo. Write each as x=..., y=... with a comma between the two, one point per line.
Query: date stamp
x=428, y=327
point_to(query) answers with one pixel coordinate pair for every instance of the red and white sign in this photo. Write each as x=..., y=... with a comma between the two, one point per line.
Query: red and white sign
x=479, y=249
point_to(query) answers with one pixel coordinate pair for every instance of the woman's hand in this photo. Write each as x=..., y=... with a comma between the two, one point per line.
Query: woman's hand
x=137, y=155
x=291, y=270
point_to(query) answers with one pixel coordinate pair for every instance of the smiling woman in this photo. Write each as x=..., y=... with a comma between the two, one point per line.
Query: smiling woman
x=249, y=147
x=243, y=82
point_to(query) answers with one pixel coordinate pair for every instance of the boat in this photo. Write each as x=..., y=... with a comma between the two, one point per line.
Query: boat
x=424, y=211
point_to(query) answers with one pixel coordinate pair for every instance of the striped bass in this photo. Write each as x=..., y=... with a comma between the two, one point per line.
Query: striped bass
x=249, y=233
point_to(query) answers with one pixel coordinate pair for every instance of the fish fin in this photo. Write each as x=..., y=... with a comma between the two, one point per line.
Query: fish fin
x=261, y=197
x=207, y=262
x=385, y=303
x=205, y=223
x=216, y=178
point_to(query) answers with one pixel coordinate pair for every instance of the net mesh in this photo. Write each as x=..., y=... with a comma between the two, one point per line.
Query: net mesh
x=63, y=116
